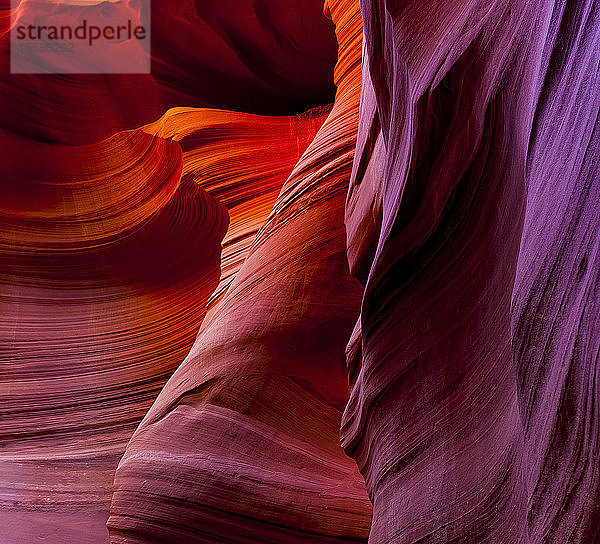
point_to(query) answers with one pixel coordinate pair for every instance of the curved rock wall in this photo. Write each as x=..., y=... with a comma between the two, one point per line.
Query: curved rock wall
x=374, y=320
x=243, y=442
x=472, y=421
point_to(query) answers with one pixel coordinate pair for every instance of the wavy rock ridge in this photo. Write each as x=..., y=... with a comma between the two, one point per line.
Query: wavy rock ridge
x=386, y=308
x=263, y=376
x=472, y=408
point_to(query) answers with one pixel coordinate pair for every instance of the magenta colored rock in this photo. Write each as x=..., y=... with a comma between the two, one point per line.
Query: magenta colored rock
x=556, y=300
x=476, y=116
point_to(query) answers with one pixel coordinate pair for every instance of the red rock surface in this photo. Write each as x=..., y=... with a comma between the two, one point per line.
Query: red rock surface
x=260, y=56
x=241, y=160
x=104, y=277
x=243, y=442
x=414, y=267
x=109, y=254
x=109, y=251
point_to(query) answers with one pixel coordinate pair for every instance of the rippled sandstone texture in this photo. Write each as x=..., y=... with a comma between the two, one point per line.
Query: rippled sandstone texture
x=104, y=286
x=443, y=233
x=270, y=57
x=109, y=251
x=243, y=444
x=94, y=320
x=474, y=406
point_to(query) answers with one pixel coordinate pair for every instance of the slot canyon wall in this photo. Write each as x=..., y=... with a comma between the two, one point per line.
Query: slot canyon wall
x=330, y=273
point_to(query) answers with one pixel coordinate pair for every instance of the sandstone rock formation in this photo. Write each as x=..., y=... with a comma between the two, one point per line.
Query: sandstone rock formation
x=243, y=442
x=482, y=123
x=258, y=56
x=233, y=312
